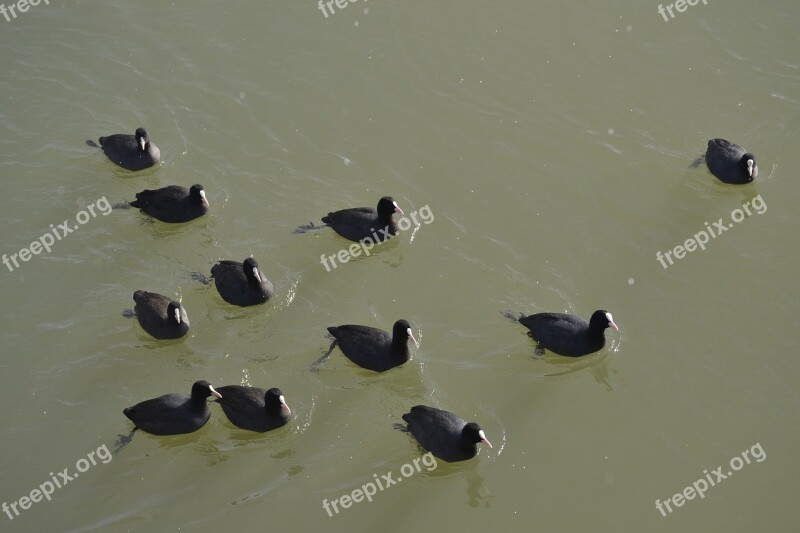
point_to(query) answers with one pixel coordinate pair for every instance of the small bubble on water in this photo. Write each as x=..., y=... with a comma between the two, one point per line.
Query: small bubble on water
x=630, y=281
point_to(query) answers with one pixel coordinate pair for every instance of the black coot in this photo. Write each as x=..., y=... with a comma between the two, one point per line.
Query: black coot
x=174, y=414
x=241, y=284
x=254, y=409
x=568, y=334
x=173, y=203
x=160, y=316
x=131, y=152
x=360, y=223
x=446, y=435
x=730, y=162
x=372, y=348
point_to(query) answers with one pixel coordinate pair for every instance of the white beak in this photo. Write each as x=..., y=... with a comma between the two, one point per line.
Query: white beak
x=484, y=440
x=411, y=336
x=611, y=321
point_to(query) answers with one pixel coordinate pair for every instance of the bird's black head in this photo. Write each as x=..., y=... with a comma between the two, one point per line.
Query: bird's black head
x=274, y=402
x=199, y=194
x=748, y=165
x=402, y=330
x=251, y=271
x=201, y=390
x=601, y=320
x=141, y=138
x=387, y=207
x=473, y=434
x=176, y=314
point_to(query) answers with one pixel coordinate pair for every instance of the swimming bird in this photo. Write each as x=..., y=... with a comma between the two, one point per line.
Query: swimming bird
x=131, y=152
x=566, y=334
x=729, y=162
x=241, y=284
x=173, y=203
x=373, y=348
x=160, y=316
x=446, y=435
x=360, y=223
x=254, y=409
x=174, y=414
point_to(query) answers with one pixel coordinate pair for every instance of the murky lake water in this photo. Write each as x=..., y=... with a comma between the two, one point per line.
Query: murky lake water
x=552, y=146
